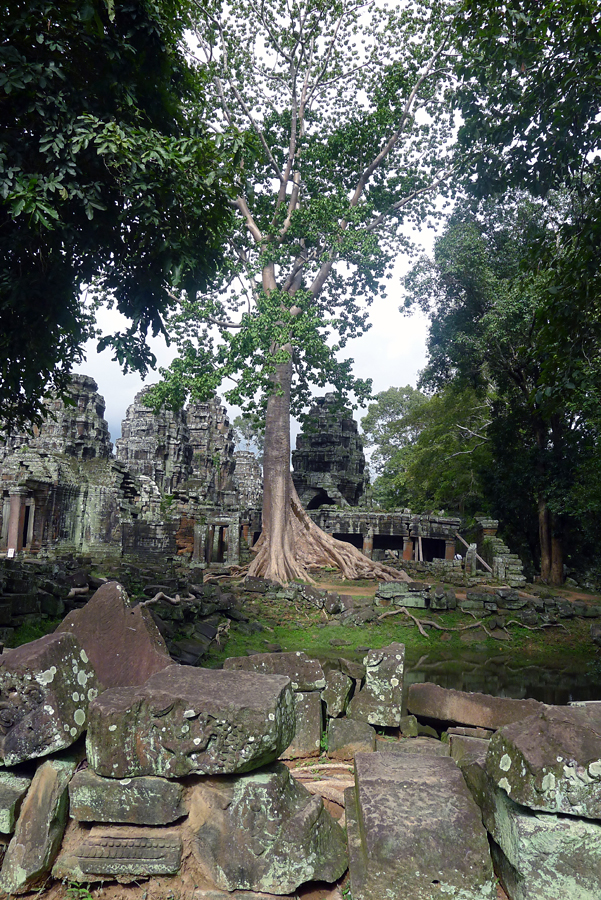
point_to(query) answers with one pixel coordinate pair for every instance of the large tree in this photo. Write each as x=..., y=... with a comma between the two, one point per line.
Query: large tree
x=490, y=303
x=346, y=104
x=530, y=99
x=430, y=452
x=106, y=171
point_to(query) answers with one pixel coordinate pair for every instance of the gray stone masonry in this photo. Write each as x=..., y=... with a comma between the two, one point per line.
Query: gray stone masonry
x=77, y=429
x=415, y=831
x=329, y=463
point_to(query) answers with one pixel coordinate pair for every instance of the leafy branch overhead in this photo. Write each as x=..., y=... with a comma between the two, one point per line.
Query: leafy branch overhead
x=106, y=172
x=349, y=129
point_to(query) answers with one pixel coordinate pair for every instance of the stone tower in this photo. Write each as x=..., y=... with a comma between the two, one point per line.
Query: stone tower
x=155, y=444
x=248, y=479
x=212, y=445
x=329, y=462
x=76, y=428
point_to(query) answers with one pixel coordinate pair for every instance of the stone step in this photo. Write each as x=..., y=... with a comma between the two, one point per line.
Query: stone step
x=415, y=831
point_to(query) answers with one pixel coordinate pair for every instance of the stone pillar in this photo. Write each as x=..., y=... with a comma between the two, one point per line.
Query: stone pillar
x=217, y=543
x=198, y=551
x=16, y=518
x=449, y=550
x=233, y=546
x=470, y=559
x=407, y=548
x=245, y=533
x=209, y=539
x=368, y=543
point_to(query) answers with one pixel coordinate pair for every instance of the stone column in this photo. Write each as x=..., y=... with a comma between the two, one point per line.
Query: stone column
x=407, y=548
x=16, y=518
x=470, y=559
x=209, y=539
x=368, y=543
x=217, y=543
x=233, y=547
x=197, y=552
x=449, y=550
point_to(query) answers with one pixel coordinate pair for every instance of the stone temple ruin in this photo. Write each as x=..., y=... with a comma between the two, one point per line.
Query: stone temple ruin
x=119, y=765
x=169, y=490
x=177, y=488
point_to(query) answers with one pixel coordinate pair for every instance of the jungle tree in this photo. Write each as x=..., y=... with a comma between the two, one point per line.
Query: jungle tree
x=346, y=103
x=490, y=303
x=106, y=171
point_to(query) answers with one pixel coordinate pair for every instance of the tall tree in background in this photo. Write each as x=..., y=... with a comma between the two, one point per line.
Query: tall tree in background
x=489, y=305
x=347, y=107
x=430, y=452
x=106, y=171
x=530, y=100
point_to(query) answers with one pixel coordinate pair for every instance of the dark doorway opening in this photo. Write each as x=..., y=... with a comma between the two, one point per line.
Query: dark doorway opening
x=351, y=538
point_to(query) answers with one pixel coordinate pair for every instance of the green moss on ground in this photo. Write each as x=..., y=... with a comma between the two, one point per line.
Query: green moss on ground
x=293, y=626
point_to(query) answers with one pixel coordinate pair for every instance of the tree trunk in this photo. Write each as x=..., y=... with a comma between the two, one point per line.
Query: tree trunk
x=556, y=560
x=544, y=538
x=291, y=543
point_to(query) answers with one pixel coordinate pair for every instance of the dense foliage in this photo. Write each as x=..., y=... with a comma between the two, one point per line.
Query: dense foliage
x=490, y=307
x=429, y=452
x=338, y=166
x=105, y=170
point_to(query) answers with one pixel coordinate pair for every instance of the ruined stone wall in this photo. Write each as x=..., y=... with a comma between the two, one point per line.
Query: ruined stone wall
x=76, y=429
x=329, y=463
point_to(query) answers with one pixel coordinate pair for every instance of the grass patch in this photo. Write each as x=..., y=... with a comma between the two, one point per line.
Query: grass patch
x=31, y=631
x=292, y=627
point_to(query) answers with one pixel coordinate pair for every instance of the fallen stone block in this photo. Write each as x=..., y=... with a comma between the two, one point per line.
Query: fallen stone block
x=421, y=745
x=551, y=761
x=307, y=737
x=264, y=832
x=336, y=693
x=414, y=831
x=185, y=720
x=39, y=829
x=305, y=674
x=466, y=731
x=146, y=800
x=433, y=702
x=348, y=736
x=380, y=700
x=123, y=643
x=391, y=590
x=537, y=855
x=413, y=600
x=12, y=790
x=45, y=689
x=409, y=726
x=123, y=853
x=461, y=746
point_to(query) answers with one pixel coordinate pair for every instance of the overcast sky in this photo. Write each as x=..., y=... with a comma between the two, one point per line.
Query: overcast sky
x=391, y=353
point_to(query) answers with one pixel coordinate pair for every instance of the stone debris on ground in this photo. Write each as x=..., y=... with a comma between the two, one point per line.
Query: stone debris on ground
x=179, y=787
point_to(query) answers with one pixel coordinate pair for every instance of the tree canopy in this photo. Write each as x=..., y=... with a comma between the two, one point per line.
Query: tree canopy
x=430, y=451
x=346, y=105
x=530, y=100
x=106, y=172
x=490, y=305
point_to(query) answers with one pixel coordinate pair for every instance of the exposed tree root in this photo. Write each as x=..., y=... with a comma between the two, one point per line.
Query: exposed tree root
x=302, y=547
x=421, y=622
